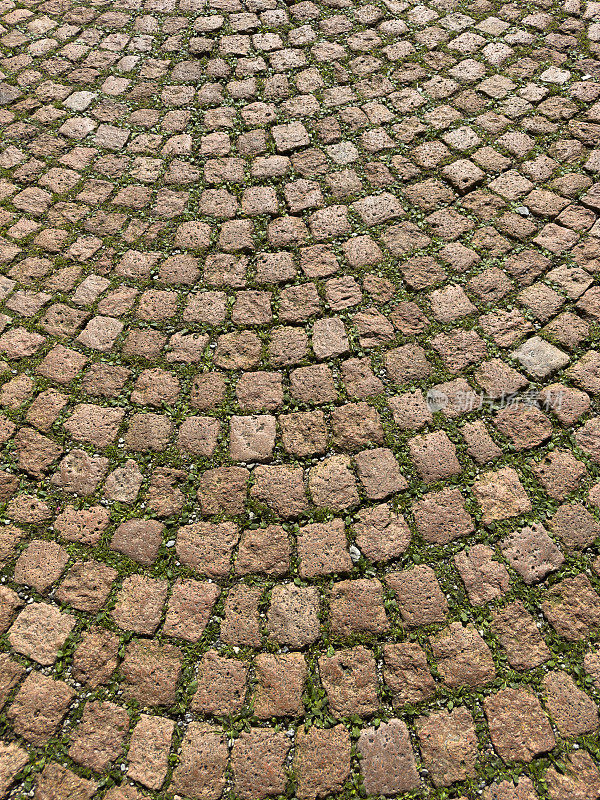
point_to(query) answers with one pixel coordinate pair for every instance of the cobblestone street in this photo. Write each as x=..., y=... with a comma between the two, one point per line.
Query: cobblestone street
x=299, y=399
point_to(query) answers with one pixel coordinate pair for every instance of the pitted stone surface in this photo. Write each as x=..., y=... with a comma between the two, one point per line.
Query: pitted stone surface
x=299, y=417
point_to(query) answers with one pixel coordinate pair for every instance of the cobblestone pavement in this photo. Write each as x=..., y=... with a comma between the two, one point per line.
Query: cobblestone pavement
x=299, y=393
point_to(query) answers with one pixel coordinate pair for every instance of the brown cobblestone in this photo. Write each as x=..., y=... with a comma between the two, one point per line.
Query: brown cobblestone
x=298, y=388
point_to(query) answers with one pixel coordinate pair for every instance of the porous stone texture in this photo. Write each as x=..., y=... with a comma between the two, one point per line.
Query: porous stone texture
x=299, y=385
x=448, y=745
x=463, y=658
x=322, y=761
x=388, y=763
x=519, y=729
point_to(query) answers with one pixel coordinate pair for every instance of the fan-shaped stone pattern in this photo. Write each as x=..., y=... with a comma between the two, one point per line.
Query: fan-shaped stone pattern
x=299, y=398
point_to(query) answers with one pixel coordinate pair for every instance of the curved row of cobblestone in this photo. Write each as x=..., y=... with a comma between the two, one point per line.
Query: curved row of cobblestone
x=299, y=392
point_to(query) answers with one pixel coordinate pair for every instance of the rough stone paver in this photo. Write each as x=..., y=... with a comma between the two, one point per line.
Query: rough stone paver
x=299, y=399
